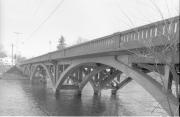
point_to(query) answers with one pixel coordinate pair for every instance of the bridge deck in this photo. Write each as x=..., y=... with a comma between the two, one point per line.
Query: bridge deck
x=155, y=34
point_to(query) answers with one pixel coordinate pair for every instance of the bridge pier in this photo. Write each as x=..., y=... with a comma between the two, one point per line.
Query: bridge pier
x=97, y=92
x=113, y=91
x=78, y=92
x=167, y=79
x=26, y=70
x=43, y=76
x=33, y=72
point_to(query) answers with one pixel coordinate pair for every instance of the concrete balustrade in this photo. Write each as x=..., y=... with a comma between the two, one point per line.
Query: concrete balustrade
x=155, y=34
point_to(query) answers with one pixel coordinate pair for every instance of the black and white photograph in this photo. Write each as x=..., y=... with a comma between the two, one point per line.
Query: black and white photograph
x=89, y=58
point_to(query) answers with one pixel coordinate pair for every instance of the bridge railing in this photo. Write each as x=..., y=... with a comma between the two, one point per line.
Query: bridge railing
x=154, y=34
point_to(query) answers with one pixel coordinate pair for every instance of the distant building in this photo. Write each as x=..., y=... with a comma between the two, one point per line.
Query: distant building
x=5, y=64
x=6, y=61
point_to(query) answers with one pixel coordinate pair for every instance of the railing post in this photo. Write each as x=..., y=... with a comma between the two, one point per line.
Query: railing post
x=55, y=65
x=80, y=74
x=117, y=41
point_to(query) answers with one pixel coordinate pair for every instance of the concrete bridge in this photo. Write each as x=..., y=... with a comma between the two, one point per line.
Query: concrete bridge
x=102, y=62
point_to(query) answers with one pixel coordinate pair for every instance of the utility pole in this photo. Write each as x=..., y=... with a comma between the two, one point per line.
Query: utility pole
x=17, y=51
x=49, y=46
x=12, y=53
x=49, y=49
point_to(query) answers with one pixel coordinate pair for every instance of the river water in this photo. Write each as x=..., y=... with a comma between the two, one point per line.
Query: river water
x=19, y=96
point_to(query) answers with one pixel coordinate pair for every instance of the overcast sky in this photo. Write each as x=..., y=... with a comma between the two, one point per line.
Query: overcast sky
x=87, y=19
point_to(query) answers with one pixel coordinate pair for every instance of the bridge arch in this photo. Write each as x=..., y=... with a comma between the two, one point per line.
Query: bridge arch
x=47, y=72
x=71, y=68
x=27, y=70
x=74, y=67
x=146, y=81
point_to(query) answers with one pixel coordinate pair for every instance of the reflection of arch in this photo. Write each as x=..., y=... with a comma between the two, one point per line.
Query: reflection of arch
x=45, y=68
x=100, y=105
x=146, y=81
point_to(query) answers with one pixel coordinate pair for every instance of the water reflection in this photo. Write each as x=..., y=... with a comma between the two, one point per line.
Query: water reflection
x=22, y=97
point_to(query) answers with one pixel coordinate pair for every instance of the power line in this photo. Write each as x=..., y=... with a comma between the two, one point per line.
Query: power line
x=49, y=16
x=38, y=7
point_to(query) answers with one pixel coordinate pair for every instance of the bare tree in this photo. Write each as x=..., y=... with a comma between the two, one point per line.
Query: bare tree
x=164, y=56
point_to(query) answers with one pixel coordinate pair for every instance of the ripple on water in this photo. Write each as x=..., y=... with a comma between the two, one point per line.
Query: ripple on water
x=21, y=97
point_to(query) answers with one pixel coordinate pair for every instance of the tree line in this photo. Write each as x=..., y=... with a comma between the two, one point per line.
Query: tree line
x=62, y=44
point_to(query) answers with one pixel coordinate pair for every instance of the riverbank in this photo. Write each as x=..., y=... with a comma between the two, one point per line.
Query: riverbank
x=12, y=76
x=4, y=68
